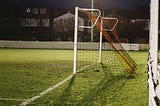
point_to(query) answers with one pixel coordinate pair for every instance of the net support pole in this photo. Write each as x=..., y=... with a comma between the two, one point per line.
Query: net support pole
x=75, y=40
x=154, y=8
x=100, y=43
x=92, y=7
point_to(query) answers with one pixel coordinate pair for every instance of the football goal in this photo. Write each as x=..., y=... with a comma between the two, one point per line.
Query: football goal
x=105, y=48
x=152, y=65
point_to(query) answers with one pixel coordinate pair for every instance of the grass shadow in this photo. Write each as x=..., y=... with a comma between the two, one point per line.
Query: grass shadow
x=101, y=91
x=63, y=98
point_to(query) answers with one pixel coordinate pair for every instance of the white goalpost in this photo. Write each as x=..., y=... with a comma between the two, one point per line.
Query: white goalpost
x=153, y=71
x=98, y=51
x=76, y=32
x=101, y=35
x=94, y=51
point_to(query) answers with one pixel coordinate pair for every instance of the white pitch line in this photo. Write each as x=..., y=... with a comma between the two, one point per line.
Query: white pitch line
x=45, y=92
x=28, y=101
x=12, y=99
x=81, y=69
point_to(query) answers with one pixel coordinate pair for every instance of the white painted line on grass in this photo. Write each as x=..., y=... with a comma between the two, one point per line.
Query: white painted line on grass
x=45, y=92
x=12, y=99
x=28, y=101
x=81, y=69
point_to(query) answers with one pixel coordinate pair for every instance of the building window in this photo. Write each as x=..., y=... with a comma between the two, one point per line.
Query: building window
x=35, y=10
x=28, y=10
x=42, y=10
x=27, y=22
x=45, y=22
x=35, y=22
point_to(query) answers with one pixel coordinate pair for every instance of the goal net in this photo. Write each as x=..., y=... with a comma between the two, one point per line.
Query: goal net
x=105, y=47
x=85, y=52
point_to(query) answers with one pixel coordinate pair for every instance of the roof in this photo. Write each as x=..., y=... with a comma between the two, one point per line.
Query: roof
x=66, y=16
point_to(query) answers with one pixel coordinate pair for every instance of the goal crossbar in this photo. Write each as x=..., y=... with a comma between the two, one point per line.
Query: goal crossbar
x=85, y=9
x=109, y=18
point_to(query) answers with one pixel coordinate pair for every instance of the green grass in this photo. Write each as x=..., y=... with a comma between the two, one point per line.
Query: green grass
x=26, y=72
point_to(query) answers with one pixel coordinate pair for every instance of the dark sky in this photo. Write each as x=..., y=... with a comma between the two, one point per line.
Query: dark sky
x=129, y=4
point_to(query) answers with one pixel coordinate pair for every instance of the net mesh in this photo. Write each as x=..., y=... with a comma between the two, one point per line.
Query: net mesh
x=90, y=50
x=114, y=57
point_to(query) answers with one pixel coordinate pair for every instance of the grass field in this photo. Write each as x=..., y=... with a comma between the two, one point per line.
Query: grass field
x=25, y=73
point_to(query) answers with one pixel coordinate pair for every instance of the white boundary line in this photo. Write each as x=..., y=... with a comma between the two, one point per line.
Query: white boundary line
x=46, y=91
x=28, y=101
x=12, y=99
x=81, y=69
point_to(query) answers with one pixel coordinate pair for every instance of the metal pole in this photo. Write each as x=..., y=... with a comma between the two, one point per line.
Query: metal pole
x=154, y=8
x=75, y=41
x=100, y=43
x=92, y=7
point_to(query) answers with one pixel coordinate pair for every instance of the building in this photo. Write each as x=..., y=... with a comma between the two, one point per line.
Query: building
x=28, y=23
x=65, y=22
x=35, y=17
x=44, y=23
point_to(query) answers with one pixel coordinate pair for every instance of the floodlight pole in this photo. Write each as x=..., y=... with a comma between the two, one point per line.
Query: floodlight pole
x=92, y=7
x=75, y=40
